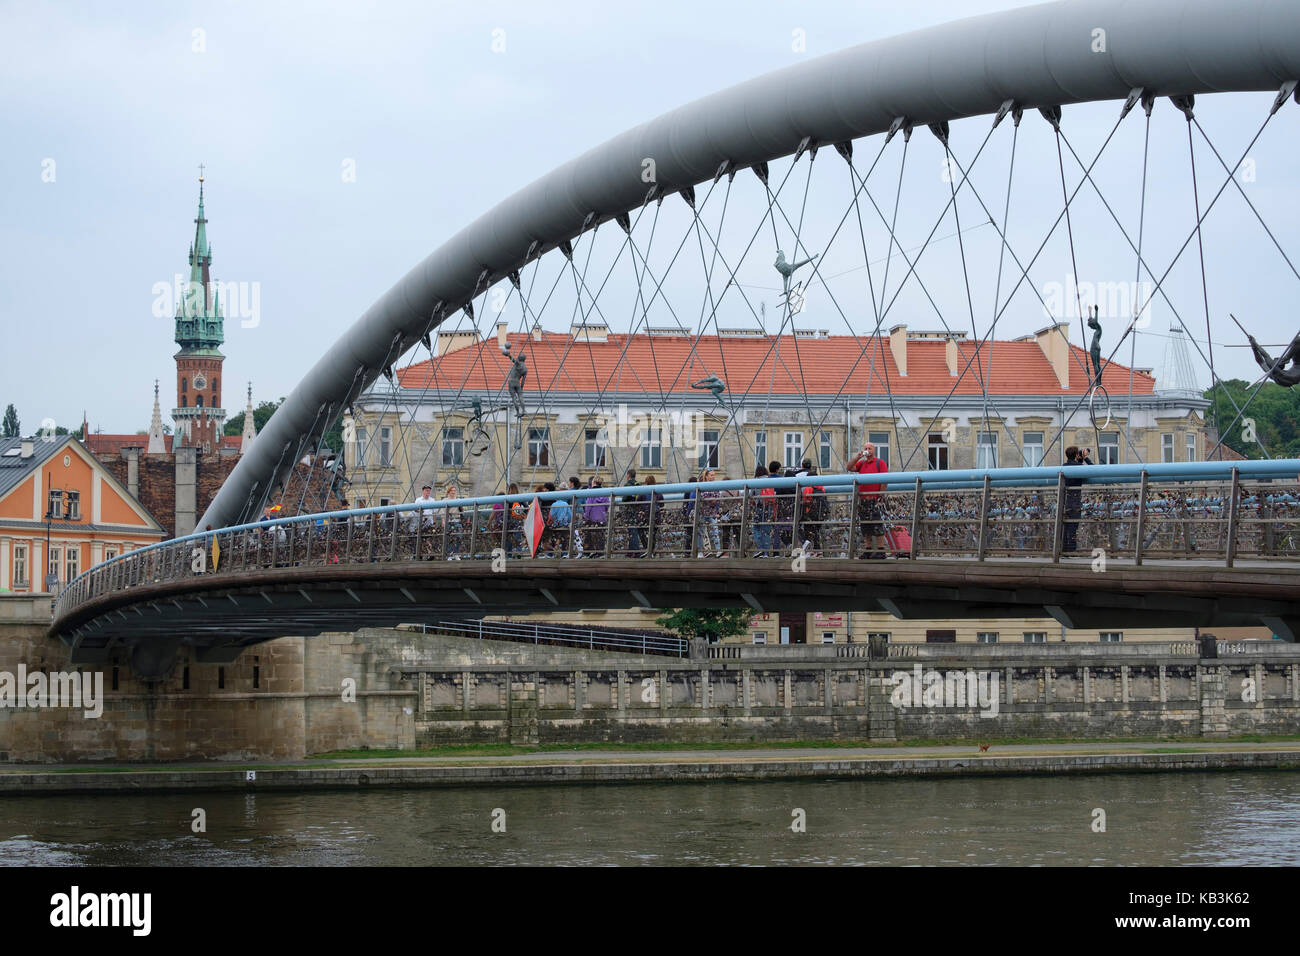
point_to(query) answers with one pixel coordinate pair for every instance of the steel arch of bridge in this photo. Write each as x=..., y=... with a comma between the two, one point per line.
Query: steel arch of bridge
x=1041, y=56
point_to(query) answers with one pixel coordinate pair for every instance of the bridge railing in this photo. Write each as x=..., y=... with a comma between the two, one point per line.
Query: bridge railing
x=1219, y=511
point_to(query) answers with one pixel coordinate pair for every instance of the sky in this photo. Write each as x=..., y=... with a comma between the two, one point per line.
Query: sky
x=343, y=142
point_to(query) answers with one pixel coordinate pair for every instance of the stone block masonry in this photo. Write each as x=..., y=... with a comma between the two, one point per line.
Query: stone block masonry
x=401, y=690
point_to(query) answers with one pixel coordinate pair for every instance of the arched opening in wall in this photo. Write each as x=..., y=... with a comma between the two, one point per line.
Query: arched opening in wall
x=185, y=385
x=198, y=401
x=183, y=405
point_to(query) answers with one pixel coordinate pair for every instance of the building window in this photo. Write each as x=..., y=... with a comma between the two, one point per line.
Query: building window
x=453, y=447
x=709, y=449
x=1112, y=637
x=760, y=637
x=214, y=389
x=55, y=509
x=793, y=449
x=1167, y=447
x=986, y=637
x=883, y=635
x=20, y=565
x=1108, y=448
x=221, y=678
x=938, y=450
x=74, y=505
x=941, y=637
x=1035, y=637
x=1033, y=449
x=71, y=563
x=385, y=502
x=760, y=448
x=539, y=447
x=385, y=447
x=361, y=448
x=198, y=401
x=110, y=554
x=183, y=403
x=1191, y=446
x=185, y=385
x=881, y=441
x=828, y=637
x=824, y=451
x=596, y=440
x=986, y=450
x=652, y=448
x=52, y=569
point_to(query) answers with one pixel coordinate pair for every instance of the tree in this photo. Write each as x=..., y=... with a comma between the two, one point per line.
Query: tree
x=12, y=428
x=1271, y=419
x=261, y=415
x=712, y=624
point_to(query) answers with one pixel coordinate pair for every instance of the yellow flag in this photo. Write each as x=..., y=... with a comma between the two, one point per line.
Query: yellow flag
x=216, y=552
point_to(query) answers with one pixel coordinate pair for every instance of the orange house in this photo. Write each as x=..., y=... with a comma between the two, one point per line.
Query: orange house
x=56, y=486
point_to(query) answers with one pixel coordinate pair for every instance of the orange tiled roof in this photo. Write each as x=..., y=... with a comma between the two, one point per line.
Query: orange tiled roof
x=665, y=363
x=105, y=444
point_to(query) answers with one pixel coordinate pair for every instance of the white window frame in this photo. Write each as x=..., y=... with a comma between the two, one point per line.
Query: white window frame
x=595, y=447
x=1035, y=637
x=385, y=446
x=760, y=637
x=986, y=637
x=652, y=448
x=72, y=505
x=539, y=447
x=1166, y=446
x=1190, y=446
x=828, y=637
x=793, y=449
x=110, y=554
x=453, y=447
x=986, y=452
x=53, y=560
x=824, y=451
x=71, y=563
x=709, y=447
x=1107, y=450
x=932, y=452
x=881, y=441
x=760, y=448
x=1033, y=449
x=22, y=561
x=1110, y=637
x=360, y=443
x=55, y=496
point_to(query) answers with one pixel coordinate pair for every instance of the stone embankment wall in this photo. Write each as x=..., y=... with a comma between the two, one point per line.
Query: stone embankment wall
x=398, y=689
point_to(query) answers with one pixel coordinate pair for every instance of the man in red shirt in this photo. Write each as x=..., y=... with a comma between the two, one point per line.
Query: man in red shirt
x=869, y=518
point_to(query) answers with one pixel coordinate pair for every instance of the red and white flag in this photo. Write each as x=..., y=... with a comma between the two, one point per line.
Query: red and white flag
x=534, y=524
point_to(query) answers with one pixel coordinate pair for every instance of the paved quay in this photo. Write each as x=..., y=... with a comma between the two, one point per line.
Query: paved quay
x=590, y=767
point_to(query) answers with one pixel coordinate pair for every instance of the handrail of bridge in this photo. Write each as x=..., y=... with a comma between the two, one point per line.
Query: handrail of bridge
x=1217, y=510
x=608, y=639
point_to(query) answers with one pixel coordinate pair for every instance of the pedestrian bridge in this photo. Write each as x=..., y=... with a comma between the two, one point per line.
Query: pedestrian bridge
x=1185, y=544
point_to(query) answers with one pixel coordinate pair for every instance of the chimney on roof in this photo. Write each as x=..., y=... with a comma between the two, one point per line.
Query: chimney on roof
x=950, y=353
x=28, y=448
x=502, y=329
x=449, y=342
x=590, y=332
x=537, y=331
x=1055, y=343
x=898, y=347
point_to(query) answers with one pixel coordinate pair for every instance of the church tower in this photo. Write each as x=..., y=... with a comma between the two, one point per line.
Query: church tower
x=199, y=417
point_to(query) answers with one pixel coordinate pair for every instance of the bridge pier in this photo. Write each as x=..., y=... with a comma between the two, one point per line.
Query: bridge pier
x=152, y=661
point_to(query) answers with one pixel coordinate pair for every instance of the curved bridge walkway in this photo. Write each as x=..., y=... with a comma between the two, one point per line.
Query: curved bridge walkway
x=1196, y=543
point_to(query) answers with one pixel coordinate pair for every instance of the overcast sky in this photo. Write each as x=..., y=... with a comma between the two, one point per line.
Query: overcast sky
x=106, y=111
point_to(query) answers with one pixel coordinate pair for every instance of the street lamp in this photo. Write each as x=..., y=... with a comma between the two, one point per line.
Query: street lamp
x=52, y=576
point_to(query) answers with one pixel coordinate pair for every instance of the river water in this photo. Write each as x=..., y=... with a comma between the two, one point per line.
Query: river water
x=1150, y=819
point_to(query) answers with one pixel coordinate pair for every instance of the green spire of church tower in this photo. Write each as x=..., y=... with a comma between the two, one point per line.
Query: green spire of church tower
x=199, y=322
